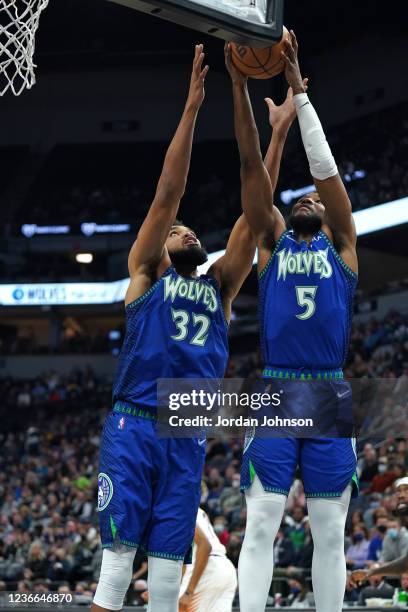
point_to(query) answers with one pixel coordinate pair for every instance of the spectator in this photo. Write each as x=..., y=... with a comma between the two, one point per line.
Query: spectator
x=387, y=474
x=395, y=542
x=59, y=566
x=376, y=541
x=300, y=595
x=37, y=563
x=220, y=528
x=296, y=524
x=284, y=551
x=404, y=582
x=367, y=466
x=357, y=553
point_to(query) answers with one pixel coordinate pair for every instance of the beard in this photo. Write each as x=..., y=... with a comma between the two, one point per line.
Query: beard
x=402, y=509
x=189, y=256
x=305, y=224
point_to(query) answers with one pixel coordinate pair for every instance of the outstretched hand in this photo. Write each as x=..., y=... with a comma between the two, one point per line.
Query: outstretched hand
x=282, y=116
x=358, y=577
x=196, y=93
x=236, y=75
x=290, y=58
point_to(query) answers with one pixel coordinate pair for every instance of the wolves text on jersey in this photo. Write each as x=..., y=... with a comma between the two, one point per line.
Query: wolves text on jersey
x=304, y=262
x=193, y=290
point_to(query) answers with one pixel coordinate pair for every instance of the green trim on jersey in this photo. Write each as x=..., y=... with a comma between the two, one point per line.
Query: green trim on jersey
x=337, y=255
x=145, y=295
x=268, y=263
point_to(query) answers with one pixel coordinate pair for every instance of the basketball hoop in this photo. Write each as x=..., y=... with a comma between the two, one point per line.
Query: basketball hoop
x=18, y=25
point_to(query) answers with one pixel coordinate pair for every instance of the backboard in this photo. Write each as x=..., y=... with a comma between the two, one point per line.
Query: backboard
x=256, y=23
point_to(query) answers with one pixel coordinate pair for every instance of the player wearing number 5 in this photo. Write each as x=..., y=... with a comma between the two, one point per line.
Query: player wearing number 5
x=307, y=279
x=176, y=327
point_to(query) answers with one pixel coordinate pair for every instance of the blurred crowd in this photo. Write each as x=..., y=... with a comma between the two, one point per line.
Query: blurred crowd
x=379, y=348
x=73, y=339
x=82, y=179
x=49, y=463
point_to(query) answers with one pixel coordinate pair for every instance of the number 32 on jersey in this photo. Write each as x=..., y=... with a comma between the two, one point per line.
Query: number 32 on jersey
x=199, y=322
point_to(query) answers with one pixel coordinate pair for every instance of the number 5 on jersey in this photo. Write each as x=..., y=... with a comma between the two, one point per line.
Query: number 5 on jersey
x=306, y=299
x=181, y=319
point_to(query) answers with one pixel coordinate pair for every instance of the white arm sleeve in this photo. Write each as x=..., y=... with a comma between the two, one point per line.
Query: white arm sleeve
x=321, y=161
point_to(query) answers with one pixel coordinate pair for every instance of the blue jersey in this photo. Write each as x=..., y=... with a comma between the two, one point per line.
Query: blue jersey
x=177, y=329
x=306, y=296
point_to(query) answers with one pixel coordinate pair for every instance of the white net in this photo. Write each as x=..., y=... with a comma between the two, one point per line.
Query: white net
x=18, y=25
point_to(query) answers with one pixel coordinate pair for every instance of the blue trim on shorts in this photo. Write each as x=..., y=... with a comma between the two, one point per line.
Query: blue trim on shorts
x=143, y=549
x=285, y=492
x=301, y=374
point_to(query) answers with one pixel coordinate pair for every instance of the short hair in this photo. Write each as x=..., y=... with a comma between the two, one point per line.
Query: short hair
x=180, y=223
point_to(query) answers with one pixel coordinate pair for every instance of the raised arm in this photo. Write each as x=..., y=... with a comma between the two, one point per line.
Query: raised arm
x=148, y=252
x=281, y=118
x=263, y=218
x=323, y=168
x=233, y=267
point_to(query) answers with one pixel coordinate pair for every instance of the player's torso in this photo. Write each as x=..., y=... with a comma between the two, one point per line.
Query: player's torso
x=177, y=329
x=306, y=293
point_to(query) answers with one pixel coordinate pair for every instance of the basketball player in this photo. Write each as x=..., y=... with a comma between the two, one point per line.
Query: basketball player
x=210, y=583
x=149, y=488
x=307, y=279
x=399, y=566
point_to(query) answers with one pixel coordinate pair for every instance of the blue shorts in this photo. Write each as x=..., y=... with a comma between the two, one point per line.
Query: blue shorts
x=327, y=464
x=149, y=489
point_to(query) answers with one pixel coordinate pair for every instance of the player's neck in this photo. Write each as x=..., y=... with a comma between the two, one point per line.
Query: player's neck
x=186, y=271
x=304, y=237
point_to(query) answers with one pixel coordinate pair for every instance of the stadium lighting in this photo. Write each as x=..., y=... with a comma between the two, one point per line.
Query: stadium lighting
x=369, y=220
x=84, y=258
x=288, y=195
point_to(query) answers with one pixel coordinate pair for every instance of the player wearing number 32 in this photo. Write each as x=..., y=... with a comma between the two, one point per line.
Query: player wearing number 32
x=176, y=327
x=307, y=279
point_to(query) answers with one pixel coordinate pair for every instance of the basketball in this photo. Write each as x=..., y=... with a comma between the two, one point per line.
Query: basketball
x=259, y=63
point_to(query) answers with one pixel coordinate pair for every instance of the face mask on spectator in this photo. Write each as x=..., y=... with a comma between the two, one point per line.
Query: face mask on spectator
x=295, y=590
x=382, y=528
x=219, y=528
x=358, y=537
x=393, y=533
x=382, y=468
